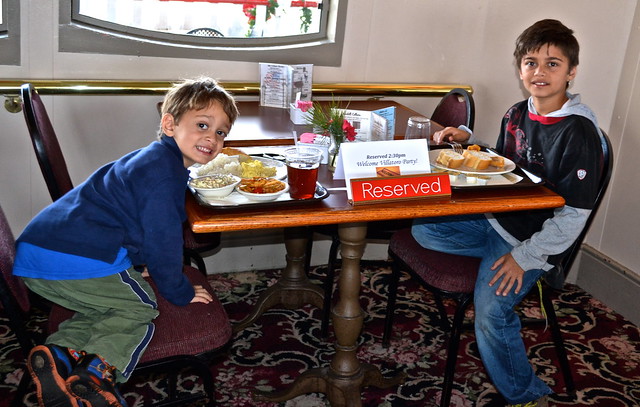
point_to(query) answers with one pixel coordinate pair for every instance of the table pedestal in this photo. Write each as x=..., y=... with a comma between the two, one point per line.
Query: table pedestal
x=343, y=380
x=293, y=289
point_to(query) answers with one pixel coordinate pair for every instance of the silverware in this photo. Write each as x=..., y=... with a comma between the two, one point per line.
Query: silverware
x=457, y=147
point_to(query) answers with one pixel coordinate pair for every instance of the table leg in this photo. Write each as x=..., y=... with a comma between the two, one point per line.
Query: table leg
x=343, y=380
x=293, y=289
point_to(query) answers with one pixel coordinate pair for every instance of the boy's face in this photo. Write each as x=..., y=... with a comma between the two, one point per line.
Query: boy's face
x=200, y=134
x=544, y=74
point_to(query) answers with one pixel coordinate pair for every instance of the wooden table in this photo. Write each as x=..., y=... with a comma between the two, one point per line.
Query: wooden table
x=345, y=377
x=268, y=126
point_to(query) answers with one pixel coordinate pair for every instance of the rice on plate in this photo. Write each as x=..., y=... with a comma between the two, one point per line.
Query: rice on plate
x=240, y=166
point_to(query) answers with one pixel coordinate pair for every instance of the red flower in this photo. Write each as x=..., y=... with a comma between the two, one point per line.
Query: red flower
x=249, y=11
x=349, y=131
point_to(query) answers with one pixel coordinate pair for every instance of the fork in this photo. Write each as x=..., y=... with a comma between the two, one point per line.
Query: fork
x=457, y=147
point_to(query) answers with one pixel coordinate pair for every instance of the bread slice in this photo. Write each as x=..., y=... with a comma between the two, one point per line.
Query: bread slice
x=497, y=161
x=450, y=158
x=477, y=160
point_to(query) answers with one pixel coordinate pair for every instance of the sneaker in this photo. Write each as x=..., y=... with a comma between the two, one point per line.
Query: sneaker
x=541, y=402
x=93, y=382
x=49, y=366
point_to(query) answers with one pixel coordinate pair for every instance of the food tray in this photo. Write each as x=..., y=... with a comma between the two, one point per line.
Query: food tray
x=237, y=201
x=517, y=178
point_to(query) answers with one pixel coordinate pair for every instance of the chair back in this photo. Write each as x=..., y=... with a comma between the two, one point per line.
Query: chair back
x=455, y=108
x=45, y=143
x=14, y=295
x=556, y=277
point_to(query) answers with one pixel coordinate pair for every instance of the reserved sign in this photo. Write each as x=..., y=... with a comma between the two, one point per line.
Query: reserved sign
x=381, y=159
x=367, y=190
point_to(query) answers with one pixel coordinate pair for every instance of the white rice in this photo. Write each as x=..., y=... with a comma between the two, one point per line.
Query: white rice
x=222, y=164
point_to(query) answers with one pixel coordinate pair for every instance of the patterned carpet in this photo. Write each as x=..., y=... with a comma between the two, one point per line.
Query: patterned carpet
x=603, y=348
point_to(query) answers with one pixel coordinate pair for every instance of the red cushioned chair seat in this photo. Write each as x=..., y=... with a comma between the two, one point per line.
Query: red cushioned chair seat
x=447, y=272
x=190, y=330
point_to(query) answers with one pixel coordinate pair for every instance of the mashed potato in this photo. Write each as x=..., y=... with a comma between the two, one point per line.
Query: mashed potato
x=255, y=168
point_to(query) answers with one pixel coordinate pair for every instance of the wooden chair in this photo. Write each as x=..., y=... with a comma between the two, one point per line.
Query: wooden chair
x=454, y=109
x=185, y=337
x=56, y=175
x=454, y=276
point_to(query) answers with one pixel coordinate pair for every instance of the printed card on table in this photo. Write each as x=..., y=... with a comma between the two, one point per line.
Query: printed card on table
x=379, y=159
x=369, y=126
x=280, y=84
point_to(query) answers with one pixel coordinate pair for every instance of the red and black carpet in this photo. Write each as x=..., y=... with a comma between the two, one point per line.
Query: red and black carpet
x=603, y=348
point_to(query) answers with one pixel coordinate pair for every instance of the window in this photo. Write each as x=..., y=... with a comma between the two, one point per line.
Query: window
x=10, y=32
x=284, y=31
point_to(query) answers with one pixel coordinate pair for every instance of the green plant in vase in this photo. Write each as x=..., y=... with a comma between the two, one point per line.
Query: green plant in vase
x=329, y=120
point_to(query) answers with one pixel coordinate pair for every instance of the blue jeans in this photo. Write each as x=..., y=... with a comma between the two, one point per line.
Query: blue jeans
x=497, y=325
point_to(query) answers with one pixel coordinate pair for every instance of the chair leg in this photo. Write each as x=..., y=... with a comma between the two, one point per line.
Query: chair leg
x=307, y=253
x=189, y=255
x=442, y=312
x=558, y=342
x=452, y=351
x=328, y=285
x=391, y=302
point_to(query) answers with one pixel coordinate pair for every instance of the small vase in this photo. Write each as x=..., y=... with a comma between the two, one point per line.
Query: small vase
x=333, y=151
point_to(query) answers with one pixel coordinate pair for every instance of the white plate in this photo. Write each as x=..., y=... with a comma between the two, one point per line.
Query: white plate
x=281, y=168
x=263, y=197
x=508, y=166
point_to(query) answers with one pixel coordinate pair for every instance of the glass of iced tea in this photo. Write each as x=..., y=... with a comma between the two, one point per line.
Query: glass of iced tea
x=302, y=170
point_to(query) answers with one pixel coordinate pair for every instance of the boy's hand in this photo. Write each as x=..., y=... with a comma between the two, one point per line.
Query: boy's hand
x=510, y=272
x=202, y=295
x=450, y=134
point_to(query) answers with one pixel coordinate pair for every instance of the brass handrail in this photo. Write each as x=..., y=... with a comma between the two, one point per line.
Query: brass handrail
x=11, y=89
x=106, y=87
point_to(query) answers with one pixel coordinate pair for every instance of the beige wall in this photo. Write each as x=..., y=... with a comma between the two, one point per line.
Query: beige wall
x=419, y=41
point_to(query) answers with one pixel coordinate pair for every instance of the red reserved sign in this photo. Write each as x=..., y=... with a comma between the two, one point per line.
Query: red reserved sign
x=368, y=190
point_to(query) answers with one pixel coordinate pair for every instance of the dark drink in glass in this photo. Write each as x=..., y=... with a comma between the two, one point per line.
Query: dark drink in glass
x=302, y=180
x=302, y=171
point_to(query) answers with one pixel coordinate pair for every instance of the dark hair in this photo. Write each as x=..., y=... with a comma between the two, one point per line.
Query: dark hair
x=196, y=94
x=551, y=32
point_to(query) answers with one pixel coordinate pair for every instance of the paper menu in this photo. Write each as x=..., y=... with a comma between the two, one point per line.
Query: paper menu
x=280, y=85
x=369, y=126
x=388, y=113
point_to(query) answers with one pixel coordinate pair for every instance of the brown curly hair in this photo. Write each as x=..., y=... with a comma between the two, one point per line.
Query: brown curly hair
x=197, y=94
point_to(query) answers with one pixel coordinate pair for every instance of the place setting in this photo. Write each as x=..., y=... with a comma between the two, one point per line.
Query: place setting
x=234, y=179
x=472, y=166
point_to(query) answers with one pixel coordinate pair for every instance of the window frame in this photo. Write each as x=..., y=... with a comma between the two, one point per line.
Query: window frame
x=82, y=34
x=10, y=33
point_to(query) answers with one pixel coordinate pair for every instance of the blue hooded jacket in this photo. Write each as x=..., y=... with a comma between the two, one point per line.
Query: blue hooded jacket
x=135, y=203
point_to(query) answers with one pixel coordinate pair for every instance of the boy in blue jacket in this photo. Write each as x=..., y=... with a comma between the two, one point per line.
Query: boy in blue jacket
x=79, y=252
x=556, y=137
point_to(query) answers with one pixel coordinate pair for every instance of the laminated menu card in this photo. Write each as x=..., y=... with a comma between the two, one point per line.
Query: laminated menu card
x=280, y=85
x=372, y=125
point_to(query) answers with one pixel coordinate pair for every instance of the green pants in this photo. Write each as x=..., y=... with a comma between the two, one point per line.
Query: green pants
x=113, y=317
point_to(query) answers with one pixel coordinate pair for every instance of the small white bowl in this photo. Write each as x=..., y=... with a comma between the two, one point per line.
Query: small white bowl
x=220, y=192
x=263, y=197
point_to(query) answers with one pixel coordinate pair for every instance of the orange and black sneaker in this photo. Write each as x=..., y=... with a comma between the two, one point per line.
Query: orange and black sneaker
x=93, y=382
x=49, y=366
